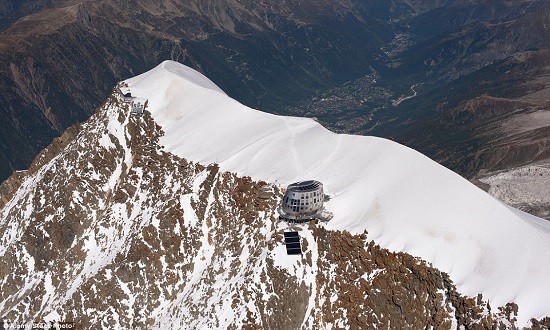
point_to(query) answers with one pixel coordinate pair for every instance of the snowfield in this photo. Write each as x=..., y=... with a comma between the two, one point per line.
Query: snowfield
x=404, y=200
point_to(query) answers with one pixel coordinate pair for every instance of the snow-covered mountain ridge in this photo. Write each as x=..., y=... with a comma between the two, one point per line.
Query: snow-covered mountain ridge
x=121, y=223
x=108, y=231
x=404, y=200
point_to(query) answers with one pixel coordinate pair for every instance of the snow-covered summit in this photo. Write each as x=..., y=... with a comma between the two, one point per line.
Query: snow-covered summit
x=404, y=200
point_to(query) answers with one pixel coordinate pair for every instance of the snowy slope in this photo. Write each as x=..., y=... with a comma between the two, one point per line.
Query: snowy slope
x=404, y=200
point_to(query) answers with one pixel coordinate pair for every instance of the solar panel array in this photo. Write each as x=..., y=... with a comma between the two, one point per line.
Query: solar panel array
x=292, y=242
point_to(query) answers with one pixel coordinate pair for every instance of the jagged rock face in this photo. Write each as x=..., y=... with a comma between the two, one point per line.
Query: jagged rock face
x=108, y=230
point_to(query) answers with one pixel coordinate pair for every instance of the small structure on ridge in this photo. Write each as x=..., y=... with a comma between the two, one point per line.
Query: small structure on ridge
x=303, y=201
x=138, y=106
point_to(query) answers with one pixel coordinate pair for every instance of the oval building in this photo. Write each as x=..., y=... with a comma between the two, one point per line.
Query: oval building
x=302, y=200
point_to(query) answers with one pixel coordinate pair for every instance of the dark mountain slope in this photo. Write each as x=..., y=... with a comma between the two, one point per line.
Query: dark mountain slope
x=493, y=61
x=62, y=61
x=351, y=64
x=463, y=51
x=492, y=119
x=452, y=16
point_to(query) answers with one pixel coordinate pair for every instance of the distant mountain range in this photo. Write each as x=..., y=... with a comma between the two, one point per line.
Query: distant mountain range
x=63, y=57
x=476, y=68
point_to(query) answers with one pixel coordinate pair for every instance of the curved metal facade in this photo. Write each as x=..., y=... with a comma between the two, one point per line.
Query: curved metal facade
x=302, y=200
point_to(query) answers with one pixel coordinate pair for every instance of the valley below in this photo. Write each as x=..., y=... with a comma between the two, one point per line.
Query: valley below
x=110, y=220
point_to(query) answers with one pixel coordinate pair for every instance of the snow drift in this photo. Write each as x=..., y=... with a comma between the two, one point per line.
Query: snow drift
x=404, y=200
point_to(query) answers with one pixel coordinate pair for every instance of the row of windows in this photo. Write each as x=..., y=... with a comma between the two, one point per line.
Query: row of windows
x=311, y=194
x=291, y=201
x=299, y=208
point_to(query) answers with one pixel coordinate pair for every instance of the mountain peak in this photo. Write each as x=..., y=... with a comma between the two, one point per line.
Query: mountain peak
x=189, y=74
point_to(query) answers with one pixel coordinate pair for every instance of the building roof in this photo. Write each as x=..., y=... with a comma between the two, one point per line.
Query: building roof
x=304, y=186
